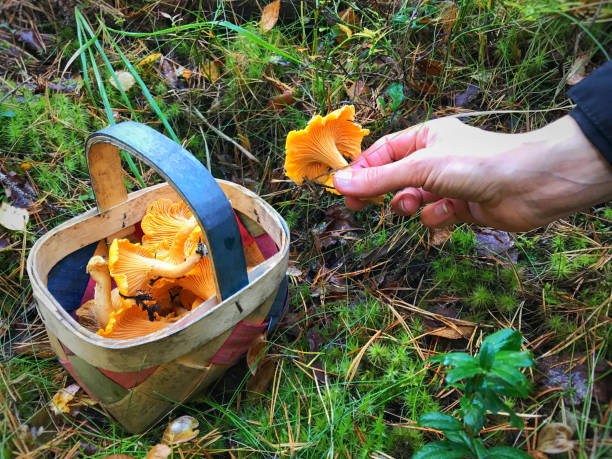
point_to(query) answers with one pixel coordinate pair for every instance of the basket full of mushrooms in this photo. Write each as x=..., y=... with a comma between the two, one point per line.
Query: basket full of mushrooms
x=150, y=297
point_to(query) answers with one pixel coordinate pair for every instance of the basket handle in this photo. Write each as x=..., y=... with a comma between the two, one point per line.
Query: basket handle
x=189, y=178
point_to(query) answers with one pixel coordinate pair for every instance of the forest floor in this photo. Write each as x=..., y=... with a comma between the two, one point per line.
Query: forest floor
x=372, y=295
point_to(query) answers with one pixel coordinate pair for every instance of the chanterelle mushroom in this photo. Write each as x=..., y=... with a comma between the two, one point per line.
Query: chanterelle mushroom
x=133, y=265
x=130, y=322
x=323, y=147
x=95, y=313
x=165, y=220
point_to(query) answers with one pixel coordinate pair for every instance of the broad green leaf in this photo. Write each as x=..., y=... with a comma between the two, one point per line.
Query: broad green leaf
x=478, y=448
x=504, y=340
x=396, y=93
x=474, y=417
x=442, y=450
x=460, y=437
x=490, y=400
x=513, y=377
x=514, y=359
x=440, y=421
x=456, y=358
x=486, y=356
x=463, y=371
x=507, y=452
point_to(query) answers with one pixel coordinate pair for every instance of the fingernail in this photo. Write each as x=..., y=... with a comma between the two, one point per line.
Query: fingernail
x=404, y=206
x=343, y=177
x=441, y=209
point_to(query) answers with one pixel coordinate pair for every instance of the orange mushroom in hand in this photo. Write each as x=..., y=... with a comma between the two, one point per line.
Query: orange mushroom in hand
x=323, y=147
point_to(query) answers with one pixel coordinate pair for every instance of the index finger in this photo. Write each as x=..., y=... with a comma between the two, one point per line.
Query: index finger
x=393, y=147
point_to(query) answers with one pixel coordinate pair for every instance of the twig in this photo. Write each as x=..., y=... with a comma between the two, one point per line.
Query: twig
x=8, y=94
x=246, y=152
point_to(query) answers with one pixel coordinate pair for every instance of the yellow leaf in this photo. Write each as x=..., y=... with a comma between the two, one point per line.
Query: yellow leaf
x=269, y=16
x=180, y=430
x=347, y=31
x=149, y=59
x=126, y=80
x=160, y=451
x=63, y=398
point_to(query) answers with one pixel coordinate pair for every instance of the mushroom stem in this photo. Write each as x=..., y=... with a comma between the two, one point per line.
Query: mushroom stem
x=103, y=306
x=161, y=268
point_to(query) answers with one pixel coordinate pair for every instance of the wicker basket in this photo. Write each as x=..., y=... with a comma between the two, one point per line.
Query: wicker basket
x=140, y=380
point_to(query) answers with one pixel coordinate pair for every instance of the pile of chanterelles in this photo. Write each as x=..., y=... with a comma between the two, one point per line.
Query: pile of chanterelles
x=159, y=280
x=323, y=147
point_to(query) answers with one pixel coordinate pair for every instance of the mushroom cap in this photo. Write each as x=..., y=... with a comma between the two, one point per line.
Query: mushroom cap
x=315, y=152
x=130, y=265
x=163, y=220
x=200, y=280
x=131, y=322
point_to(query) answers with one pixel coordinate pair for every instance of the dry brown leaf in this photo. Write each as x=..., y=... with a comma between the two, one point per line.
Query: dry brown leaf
x=357, y=90
x=269, y=16
x=159, y=451
x=180, y=430
x=61, y=400
x=555, y=438
x=429, y=66
x=258, y=383
x=256, y=352
x=349, y=16
x=280, y=102
x=438, y=236
x=448, y=18
x=577, y=71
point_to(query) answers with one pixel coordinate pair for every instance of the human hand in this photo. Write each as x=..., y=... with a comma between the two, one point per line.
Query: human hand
x=514, y=182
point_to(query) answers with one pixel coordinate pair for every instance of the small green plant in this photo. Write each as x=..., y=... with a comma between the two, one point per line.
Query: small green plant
x=486, y=377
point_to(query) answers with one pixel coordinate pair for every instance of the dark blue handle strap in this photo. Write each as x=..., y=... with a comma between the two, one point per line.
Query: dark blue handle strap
x=192, y=181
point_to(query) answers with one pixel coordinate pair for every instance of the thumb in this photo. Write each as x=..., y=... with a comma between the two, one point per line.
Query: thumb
x=411, y=171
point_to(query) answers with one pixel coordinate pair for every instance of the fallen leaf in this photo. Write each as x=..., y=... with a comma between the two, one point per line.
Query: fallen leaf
x=184, y=73
x=180, y=430
x=447, y=325
x=17, y=189
x=167, y=70
x=149, y=59
x=464, y=97
x=448, y=17
x=256, y=352
x=429, y=66
x=257, y=385
x=211, y=71
x=269, y=16
x=438, y=236
x=344, y=33
x=280, y=102
x=33, y=39
x=493, y=243
x=292, y=270
x=357, y=90
x=349, y=16
x=340, y=223
x=159, y=451
x=13, y=218
x=61, y=400
x=564, y=371
x=576, y=72
x=555, y=438
x=126, y=80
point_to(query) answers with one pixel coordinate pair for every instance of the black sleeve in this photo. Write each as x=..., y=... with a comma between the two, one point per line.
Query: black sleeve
x=593, y=112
